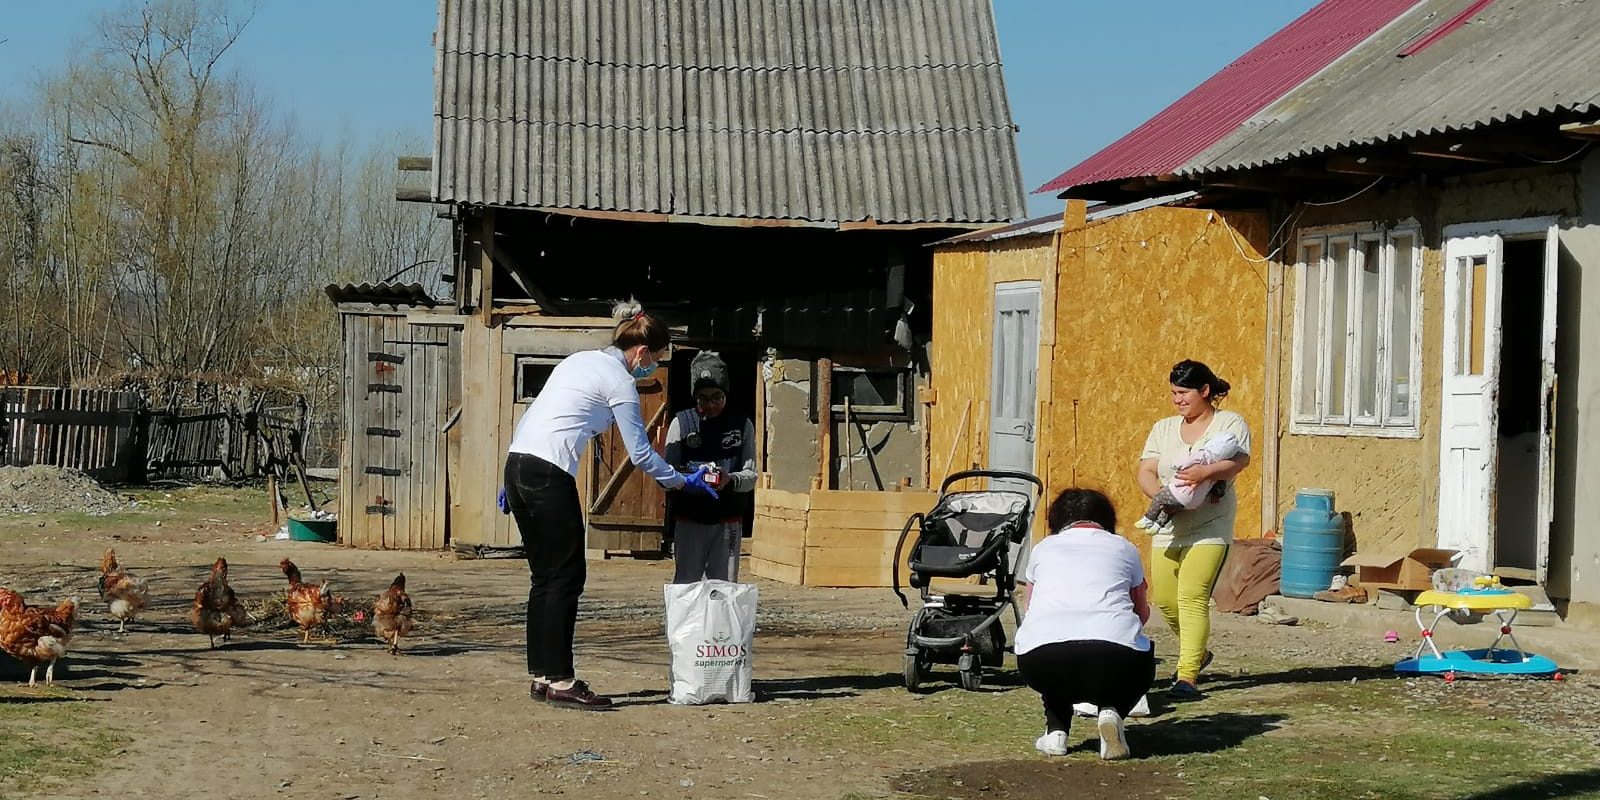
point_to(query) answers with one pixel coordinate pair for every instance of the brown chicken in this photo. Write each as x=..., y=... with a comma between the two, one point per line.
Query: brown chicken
x=34, y=635
x=308, y=605
x=125, y=595
x=216, y=609
x=391, y=614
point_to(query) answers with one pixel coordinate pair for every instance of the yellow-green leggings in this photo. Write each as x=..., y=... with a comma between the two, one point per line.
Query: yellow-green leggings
x=1180, y=585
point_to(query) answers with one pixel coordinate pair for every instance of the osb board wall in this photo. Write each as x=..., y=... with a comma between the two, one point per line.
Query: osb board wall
x=960, y=353
x=1390, y=487
x=1136, y=294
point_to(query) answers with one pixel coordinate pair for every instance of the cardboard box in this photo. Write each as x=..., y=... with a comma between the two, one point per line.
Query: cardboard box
x=1402, y=571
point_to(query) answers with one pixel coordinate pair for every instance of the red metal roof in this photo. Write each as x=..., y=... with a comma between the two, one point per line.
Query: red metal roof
x=1215, y=108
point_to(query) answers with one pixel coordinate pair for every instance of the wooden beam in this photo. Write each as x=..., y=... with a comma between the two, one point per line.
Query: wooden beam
x=415, y=164
x=1369, y=165
x=486, y=264
x=1581, y=128
x=1451, y=152
x=824, y=399
x=523, y=278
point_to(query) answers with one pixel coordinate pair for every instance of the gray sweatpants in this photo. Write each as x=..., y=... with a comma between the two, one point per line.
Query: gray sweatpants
x=706, y=551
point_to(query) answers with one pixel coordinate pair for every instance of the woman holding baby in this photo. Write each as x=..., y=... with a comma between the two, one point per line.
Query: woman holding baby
x=1195, y=453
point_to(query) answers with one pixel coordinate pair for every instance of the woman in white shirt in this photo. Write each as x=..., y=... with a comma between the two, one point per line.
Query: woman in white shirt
x=1185, y=563
x=1082, y=640
x=586, y=392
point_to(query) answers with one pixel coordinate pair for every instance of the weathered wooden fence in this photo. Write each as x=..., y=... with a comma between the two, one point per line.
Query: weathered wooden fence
x=95, y=431
x=113, y=437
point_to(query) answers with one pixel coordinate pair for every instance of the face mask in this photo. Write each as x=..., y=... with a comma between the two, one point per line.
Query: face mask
x=644, y=370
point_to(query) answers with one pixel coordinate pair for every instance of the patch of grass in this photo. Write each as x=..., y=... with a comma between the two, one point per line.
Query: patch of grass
x=48, y=739
x=1274, y=733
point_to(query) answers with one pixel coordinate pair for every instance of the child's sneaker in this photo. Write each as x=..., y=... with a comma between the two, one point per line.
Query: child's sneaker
x=1167, y=529
x=1053, y=743
x=1113, y=739
x=1145, y=524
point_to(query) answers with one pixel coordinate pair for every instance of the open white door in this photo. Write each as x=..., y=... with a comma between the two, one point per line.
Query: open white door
x=1469, y=414
x=1547, y=405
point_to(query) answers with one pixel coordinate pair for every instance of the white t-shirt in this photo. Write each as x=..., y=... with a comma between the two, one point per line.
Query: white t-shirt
x=1081, y=580
x=585, y=392
x=1211, y=523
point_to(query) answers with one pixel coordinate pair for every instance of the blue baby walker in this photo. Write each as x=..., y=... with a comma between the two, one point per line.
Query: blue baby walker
x=1464, y=594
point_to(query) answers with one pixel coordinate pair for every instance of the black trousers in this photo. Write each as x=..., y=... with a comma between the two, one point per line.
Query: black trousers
x=544, y=501
x=1100, y=673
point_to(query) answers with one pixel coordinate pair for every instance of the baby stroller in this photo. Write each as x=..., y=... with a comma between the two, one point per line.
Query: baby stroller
x=966, y=533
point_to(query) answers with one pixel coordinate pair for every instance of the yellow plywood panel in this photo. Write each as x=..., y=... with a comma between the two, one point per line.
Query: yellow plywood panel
x=829, y=557
x=856, y=537
x=873, y=502
x=867, y=520
x=779, y=499
x=849, y=577
x=774, y=571
x=778, y=553
x=787, y=535
x=1135, y=294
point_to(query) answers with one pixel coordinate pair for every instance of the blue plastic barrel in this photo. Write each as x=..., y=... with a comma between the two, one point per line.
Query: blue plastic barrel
x=1313, y=544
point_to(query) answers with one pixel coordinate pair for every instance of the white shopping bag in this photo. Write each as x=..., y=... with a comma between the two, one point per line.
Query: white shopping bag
x=711, y=628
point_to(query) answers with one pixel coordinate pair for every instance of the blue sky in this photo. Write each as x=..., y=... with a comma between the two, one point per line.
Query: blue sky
x=1080, y=73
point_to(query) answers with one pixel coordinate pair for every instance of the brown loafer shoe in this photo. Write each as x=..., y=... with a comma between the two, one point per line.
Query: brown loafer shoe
x=579, y=696
x=537, y=690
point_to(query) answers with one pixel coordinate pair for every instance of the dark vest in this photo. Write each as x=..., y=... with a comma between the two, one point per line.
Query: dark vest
x=719, y=441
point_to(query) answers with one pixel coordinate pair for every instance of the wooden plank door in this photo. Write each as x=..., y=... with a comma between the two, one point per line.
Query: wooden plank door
x=1469, y=413
x=626, y=508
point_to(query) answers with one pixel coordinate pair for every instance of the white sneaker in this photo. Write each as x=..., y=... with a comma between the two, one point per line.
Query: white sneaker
x=1053, y=743
x=1145, y=524
x=1113, y=741
x=1140, y=709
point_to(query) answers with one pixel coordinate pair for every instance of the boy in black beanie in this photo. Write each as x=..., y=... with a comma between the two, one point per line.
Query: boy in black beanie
x=709, y=530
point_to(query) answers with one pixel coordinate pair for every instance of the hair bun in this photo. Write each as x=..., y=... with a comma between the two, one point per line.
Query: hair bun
x=626, y=310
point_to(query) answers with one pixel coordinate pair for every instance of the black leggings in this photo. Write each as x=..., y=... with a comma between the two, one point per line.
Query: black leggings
x=1099, y=673
x=544, y=501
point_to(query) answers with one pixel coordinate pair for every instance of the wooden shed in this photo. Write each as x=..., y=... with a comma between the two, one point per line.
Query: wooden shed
x=1053, y=337
x=402, y=399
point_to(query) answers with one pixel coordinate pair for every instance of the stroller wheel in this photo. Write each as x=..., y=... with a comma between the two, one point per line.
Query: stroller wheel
x=914, y=672
x=972, y=679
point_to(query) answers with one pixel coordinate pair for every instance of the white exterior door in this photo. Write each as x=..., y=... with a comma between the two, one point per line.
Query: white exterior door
x=1014, y=396
x=1468, y=416
x=1547, y=406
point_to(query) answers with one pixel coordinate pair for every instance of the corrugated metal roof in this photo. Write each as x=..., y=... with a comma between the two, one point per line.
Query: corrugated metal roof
x=820, y=110
x=1216, y=107
x=1514, y=59
x=381, y=294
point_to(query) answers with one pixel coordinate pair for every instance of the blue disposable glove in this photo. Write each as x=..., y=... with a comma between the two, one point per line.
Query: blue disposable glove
x=500, y=502
x=697, y=481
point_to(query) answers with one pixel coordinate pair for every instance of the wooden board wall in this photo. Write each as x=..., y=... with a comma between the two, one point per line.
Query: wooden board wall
x=396, y=401
x=487, y=421
x=831, y=538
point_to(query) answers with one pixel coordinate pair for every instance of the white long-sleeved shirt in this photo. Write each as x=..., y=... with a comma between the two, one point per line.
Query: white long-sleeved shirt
x=586, y=392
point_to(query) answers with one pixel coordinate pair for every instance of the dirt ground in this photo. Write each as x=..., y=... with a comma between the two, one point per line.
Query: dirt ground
x=264, y=717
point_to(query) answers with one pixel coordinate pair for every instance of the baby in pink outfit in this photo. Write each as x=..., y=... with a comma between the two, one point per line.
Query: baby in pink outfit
x=1177, y=495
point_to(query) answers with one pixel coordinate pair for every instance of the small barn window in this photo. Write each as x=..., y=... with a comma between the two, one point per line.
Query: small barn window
x=876, y=394
x=532, y=374
x=1356, y=354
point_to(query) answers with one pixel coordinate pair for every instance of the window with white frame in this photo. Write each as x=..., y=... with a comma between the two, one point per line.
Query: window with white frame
x=1357, y=356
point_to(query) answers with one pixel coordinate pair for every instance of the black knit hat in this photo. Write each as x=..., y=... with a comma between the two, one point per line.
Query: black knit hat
x=709, y=371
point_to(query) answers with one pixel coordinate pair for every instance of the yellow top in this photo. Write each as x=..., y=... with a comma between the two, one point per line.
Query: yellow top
x=1474, y=602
